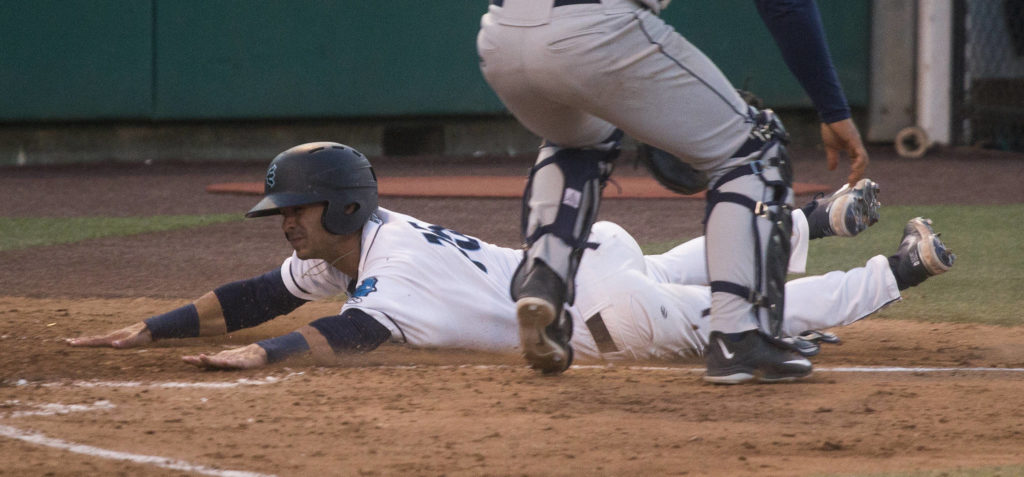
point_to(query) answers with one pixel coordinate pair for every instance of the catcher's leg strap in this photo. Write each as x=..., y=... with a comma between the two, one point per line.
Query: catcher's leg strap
x=771, y=254
x=766, y=145
x=560, y=205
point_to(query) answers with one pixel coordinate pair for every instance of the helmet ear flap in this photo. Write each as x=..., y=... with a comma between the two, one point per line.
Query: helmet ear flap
x=332, y=216
x=324, y=220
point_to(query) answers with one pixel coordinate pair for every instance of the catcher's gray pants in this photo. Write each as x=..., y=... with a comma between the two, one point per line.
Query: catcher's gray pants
x=572, y=74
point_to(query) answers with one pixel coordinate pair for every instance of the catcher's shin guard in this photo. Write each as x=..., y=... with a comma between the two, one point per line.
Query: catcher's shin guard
x=770, y=204
x=559, y=207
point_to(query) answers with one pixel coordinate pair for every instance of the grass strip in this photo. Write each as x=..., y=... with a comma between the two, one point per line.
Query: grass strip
x=25, y=232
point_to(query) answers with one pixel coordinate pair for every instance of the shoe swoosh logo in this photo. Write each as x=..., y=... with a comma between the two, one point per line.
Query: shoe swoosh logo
x=725, y=350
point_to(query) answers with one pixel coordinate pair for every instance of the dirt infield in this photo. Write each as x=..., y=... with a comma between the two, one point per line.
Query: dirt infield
x=898, y=395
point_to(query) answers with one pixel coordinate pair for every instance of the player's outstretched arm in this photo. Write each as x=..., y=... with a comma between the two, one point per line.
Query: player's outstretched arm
x=353, y=331
x=234, y=306
x=202, y=317
x=127, y=337
x=304, y=340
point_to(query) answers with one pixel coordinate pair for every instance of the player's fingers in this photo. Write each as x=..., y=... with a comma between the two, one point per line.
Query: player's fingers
x=853, y=178
x=194, y=360
x=246, y=357
x=830, y=141
x=858, y=166
x=216, y=361
x=93, y=341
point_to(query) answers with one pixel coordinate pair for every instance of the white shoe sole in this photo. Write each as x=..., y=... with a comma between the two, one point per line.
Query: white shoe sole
x=862, y=196
x=543, y=353
x=743, y=378
x=737, y=378
x=926, y=247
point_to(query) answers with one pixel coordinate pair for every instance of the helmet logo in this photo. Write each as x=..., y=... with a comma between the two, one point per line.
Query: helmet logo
x=272, y=175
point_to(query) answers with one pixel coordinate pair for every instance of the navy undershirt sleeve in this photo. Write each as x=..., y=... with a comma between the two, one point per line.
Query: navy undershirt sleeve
x=282, y=347
x=247, y=303
x=353, y=331
x=796, y=27
x=180, y=322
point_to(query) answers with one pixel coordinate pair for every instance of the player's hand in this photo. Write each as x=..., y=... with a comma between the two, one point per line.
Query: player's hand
x=246, y=357
x=127, y=337
x=843, y=137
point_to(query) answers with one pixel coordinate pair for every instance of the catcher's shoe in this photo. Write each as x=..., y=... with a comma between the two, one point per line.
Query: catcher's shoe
x=544, y=330
x=920, y=255
x=847, y=212
x=754, y=356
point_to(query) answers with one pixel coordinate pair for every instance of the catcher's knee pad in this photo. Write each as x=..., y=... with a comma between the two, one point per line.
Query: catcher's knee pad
x=561, y=202
x=772, y=222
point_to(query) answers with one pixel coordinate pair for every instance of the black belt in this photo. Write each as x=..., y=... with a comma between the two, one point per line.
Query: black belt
x=601, y=335
x=558, y=3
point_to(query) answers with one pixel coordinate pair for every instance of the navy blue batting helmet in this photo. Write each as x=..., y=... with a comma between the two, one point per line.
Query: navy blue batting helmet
x=321, y=172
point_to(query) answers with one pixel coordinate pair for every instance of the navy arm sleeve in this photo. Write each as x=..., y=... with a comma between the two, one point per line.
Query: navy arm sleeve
x=796, y=27
x=180, y=322
x=247, y=303
x=353, y=331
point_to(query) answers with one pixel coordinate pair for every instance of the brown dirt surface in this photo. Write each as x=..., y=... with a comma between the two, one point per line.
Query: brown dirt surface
x=898, y=395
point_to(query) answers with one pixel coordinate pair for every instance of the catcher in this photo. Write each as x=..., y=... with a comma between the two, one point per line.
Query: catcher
x=427, y=286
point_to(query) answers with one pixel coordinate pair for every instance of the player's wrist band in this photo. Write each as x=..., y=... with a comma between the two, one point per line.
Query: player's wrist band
x=282, y=347
x=179, y=323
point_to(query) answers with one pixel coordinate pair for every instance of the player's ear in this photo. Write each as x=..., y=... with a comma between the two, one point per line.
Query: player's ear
x=351, y=208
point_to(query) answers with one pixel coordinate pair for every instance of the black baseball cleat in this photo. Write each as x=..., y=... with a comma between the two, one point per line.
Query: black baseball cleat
x=847, y=212
x=921, y=254
x=754, y=356
x=544, y=330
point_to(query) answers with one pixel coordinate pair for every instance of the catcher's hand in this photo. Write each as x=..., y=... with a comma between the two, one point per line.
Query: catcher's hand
x=127, y=337
x=842, y=137
x=246, y=357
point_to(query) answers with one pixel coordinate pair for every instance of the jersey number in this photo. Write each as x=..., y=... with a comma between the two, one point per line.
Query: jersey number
x=438, y=235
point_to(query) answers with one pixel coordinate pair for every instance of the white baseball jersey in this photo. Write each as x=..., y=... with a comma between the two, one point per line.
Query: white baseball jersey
x=436, y=288
x=430, y=286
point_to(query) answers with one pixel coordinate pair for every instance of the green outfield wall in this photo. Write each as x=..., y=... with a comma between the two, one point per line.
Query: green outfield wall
x=198, y=60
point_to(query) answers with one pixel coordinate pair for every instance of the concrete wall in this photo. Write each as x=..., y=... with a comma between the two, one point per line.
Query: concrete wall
x=194, y=79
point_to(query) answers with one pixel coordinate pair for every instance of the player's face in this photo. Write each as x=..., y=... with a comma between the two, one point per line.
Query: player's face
x=306, y=234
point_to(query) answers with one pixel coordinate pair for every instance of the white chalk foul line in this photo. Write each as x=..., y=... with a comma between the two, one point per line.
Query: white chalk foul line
x=675, y=369
x=52, y=409
x=162, y=385
x=896, y=369
x=164, y=462
x=837, y=369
